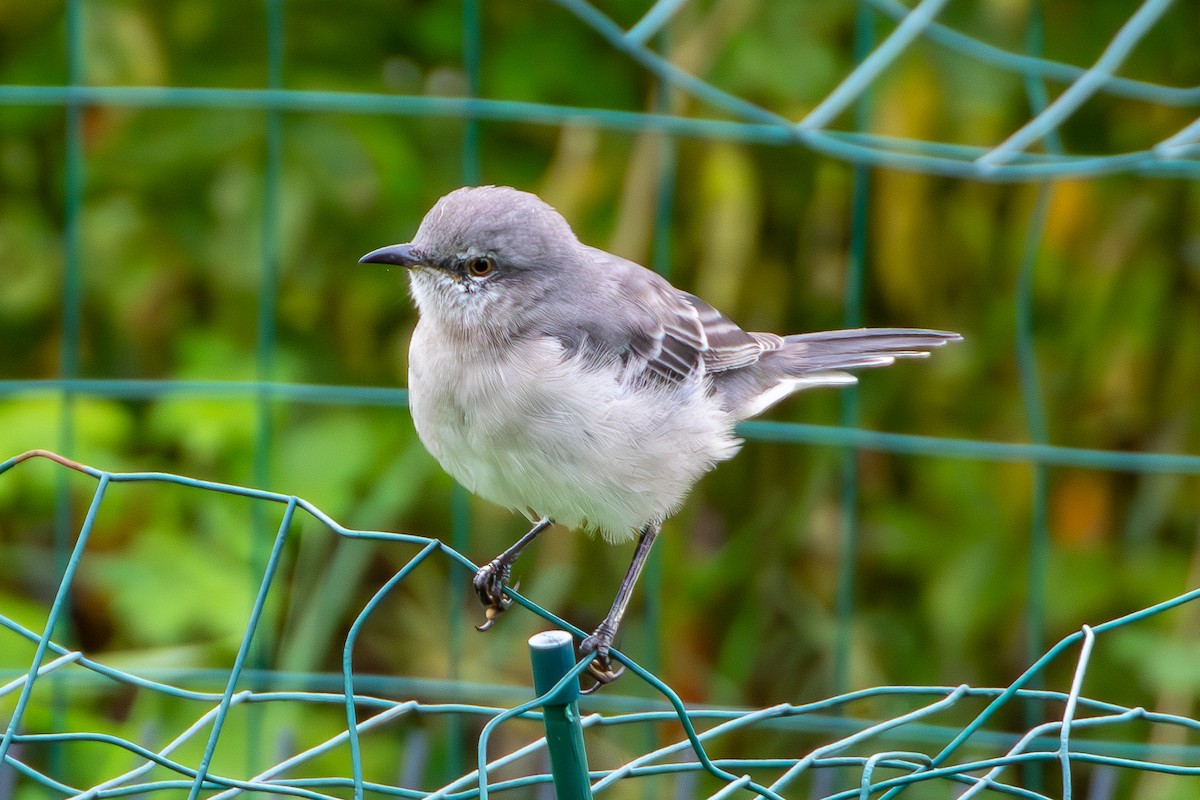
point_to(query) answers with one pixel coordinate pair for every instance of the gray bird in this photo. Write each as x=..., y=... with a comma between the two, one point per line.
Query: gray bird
x=581, y=388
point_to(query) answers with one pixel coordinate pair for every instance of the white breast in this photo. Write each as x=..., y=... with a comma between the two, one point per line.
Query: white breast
x=530, y=430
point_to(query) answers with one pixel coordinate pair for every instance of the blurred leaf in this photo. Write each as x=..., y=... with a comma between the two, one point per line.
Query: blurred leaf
x=1174, y=666
x=162, y=592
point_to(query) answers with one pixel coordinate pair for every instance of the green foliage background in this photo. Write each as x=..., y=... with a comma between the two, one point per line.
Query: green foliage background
x=172, y=264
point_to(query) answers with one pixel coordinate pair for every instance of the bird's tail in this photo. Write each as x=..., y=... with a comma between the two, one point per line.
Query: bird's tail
x=808, y=360
x=857, y=348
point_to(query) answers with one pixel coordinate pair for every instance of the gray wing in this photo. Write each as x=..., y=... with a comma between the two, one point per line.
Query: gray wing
x=693, y=338
x=688, y=338
x=726, y=346
x=657, y=332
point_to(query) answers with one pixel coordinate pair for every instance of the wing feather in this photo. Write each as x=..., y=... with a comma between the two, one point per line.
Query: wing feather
x=692, y=339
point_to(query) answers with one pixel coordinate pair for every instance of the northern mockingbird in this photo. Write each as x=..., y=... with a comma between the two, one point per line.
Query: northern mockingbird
x=580, y=388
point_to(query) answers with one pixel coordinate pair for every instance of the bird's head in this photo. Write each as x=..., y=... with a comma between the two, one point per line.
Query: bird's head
x=485, y=257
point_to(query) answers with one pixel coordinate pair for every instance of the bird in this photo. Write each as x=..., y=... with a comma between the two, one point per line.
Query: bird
x=581, y=388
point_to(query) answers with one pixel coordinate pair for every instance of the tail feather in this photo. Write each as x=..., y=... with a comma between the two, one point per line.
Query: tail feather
x=857, y=348
x=809, y=360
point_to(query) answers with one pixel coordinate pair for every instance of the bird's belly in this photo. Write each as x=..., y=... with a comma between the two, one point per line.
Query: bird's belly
x=546, y=435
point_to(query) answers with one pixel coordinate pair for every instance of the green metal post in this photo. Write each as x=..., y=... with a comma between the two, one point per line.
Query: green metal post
x=553, y=656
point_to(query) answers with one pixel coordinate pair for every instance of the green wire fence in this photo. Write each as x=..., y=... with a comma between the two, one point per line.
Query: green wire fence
x=884, y=772
x=882, y=757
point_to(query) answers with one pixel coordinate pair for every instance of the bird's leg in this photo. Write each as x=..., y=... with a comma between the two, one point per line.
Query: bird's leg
x=489, y=581
x=601, y=640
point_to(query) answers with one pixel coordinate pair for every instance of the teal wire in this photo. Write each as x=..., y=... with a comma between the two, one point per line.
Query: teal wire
x=58, y=609
x=270, y=254
x=72, y=305
x=472, y=159
x=460, y=505
x=871, y=62
x=653, y=21
x=1032, y=399
x=348, y=660
x=268, y=292
x=856, y=268
x=933, y=769
x=934, y=158
x=653, y=577
x=135, y=389
x=795, y=432
x=243, y=654
x=947, y=447
x=1039, y=544
x=660, y=261
x=1033, y=67
x=1037, y=667
x=796, y=718
x=664, y=70
x=460, y=536
x=1082, y=89
x=74, y=170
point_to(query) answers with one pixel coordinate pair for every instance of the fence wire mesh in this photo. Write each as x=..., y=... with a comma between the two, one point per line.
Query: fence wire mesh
x=949, y=724
x=876, y=753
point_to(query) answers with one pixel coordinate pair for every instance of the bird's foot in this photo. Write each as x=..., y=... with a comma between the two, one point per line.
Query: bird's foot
x=489, y=584
x=600, y=667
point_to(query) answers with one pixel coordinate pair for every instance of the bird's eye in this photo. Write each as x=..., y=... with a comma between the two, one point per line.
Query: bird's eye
x=481, y=266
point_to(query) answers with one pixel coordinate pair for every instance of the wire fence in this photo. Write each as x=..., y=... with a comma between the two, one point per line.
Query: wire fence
x=1033, y=152
x=871, y=752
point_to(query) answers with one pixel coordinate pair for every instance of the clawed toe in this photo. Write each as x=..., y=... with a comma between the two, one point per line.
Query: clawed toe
x=600, y=668
x=489, y=586
x=602, y=672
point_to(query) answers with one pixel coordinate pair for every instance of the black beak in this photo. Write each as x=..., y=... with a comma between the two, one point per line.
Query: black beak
x=399, y=254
